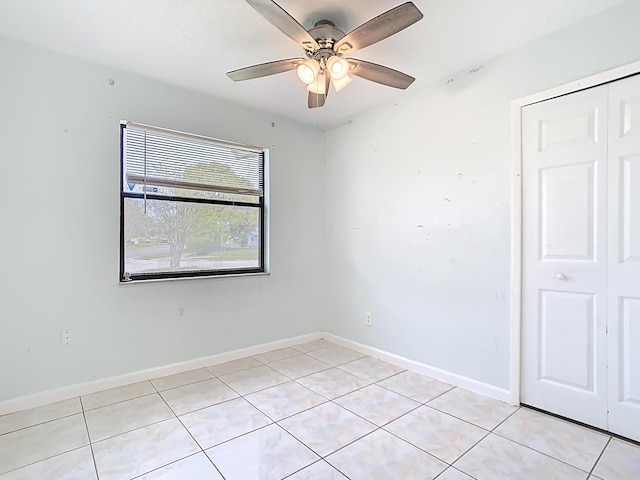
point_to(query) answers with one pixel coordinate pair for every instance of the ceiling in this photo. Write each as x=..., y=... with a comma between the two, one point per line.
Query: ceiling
x=192, y=43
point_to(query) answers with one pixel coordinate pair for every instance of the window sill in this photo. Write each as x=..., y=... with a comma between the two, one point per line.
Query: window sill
x=233, y=275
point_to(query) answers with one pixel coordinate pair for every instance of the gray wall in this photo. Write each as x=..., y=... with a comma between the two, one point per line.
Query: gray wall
x=418, y=203
x=59, y=152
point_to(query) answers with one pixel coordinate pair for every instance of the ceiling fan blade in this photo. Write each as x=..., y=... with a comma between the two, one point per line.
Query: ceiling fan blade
x=288, y=25
x=264, y=69
x=379, y=74
x=316, y=100
x=379, y=28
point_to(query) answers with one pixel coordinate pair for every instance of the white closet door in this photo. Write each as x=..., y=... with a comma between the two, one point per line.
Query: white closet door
x=564, y=304
x=624, y=258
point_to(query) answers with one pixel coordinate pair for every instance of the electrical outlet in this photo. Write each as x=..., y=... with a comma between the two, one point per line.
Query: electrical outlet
x=368, y=319
x=66, y=338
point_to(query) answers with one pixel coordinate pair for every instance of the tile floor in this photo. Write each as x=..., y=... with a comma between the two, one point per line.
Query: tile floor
x=313, y=411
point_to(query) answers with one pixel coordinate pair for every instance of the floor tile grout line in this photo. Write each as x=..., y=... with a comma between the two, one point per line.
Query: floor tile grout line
x=349, y=393
x=458, y=418
x=320, y=457
x=256, y=391
x=155, y=422
x=38, y=424
x=440, y=395
x=288, y=416
x=376, y=425
x=86, y=426
x=121, y=401
x=320, y=460
x=177, y=417
x=329, y=366
x=234, y=371
x=265, y=361
x=166, y=465
x=118, y=401
x=471, y=447
x=416, y=446
x=457, y=470
x=184, y=384
x=538, y=451
x=507, y=418
x=44, y=421
x=581, y=424
x=340, y=448
x=43, y=459
x=600, y=456
x=610, y=437
x=57, y=454
x=190, y=383
x=406, y=396
x=468, y=421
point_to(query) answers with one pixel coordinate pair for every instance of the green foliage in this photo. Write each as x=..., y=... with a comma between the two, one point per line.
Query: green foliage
x=203, y=229
x=200, y=246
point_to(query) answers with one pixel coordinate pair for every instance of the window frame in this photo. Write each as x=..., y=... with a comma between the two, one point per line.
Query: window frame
x=261, y=206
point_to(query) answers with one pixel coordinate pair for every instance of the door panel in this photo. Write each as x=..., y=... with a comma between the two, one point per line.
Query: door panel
x=624, y=258
x=568, y=129
x=567, y=223
x=630, y=208
x=629, y=354
x=567, y=323
x=629, y=122
x=564, y=152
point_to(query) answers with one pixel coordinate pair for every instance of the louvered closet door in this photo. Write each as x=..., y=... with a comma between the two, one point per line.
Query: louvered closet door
x=564, y=296
x=624, y=257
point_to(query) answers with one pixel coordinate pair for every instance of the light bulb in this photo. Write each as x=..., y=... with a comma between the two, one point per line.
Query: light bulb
x=308, y=70
x=338, y=67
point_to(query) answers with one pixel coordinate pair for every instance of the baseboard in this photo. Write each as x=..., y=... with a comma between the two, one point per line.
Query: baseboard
x=85, y=388
x=476, y=386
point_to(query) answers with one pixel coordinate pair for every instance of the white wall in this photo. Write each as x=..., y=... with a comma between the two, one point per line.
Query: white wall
x=59, y=217
x=417, y=215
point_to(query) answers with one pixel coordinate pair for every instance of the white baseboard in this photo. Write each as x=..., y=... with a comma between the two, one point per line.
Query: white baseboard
x=85, y=388
x=476, y=386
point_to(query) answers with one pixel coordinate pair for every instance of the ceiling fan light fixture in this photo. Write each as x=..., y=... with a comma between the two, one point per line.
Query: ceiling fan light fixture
x=325, y=48
x=338, y=67
x=308, y=71
x=340, y=84
x=319, y=85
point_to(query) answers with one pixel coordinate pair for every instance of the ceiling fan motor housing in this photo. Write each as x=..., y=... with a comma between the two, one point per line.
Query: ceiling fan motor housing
x=326, y=34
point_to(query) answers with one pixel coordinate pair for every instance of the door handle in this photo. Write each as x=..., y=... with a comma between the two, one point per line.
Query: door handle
x=561, y=276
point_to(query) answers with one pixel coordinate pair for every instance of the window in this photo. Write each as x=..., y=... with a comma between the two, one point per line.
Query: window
x=191, y=206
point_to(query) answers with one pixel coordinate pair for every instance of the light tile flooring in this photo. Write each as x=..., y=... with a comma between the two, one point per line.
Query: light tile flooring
x=314, y=411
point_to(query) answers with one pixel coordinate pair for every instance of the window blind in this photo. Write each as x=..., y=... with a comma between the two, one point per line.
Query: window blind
x=156, y=157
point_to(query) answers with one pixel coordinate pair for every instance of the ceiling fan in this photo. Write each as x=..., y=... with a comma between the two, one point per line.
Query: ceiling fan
x=326, y=46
